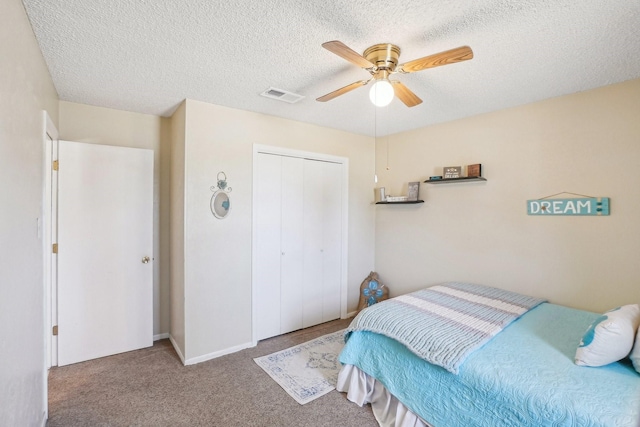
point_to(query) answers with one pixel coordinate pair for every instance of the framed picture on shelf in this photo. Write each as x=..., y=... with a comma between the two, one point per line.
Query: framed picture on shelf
x=414, y=190
x=474, y=170
x=452, y=172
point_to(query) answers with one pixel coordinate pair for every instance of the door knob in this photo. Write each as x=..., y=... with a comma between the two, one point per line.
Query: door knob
x=146, y=260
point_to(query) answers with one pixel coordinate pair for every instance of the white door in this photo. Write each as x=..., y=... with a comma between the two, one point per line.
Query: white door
x=105, y=240
x=322, y=251
x=331, y=241
x=313, y=283
x=266, y=265
x=291, y=244
x=299, y=240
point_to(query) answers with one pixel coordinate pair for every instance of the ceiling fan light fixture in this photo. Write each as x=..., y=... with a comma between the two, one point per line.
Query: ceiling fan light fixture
x=381, y=60
x=381, y=93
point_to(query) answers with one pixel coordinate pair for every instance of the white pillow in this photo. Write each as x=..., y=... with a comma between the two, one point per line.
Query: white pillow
x=635, y=353
x=610, y=337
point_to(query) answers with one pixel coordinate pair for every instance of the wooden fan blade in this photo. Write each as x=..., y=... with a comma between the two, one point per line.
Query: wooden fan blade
x=344, y=51
x=405, y=95
x=342, y=91
x=462, y=53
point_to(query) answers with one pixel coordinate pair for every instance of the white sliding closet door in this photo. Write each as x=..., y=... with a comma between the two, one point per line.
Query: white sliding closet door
x=297, y=239
x=313, y=221
x=266, y=268
x=291, y=266
x=331, y=241
x=322, y=241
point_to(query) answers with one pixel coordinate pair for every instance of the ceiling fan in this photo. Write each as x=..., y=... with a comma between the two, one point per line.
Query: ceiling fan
x=381, y=61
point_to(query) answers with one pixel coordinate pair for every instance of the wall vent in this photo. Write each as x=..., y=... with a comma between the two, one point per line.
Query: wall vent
x=282, y=95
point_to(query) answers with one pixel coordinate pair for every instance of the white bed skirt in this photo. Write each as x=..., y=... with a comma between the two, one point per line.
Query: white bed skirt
x=362, y=389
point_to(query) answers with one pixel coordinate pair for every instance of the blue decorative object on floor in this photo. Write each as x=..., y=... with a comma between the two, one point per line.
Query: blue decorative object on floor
x=306, y=371
x=372, y=291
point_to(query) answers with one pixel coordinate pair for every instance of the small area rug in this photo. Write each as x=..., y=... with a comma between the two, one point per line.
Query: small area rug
x=306, y=371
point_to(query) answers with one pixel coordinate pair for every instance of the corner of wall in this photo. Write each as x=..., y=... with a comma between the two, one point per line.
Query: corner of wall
x=175, y=138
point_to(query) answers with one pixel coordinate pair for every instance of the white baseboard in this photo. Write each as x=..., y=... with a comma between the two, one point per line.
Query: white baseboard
x=177, y=349
x=352, y=314
x=161, y=336
x=44, y=419
x=209, y=356
x=216, y=354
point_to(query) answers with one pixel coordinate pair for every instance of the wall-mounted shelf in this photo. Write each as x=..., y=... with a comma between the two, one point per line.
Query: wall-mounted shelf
x=405, y=202
x=461, y=179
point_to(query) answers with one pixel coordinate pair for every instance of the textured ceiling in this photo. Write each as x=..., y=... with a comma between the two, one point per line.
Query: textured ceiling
x=147, y=56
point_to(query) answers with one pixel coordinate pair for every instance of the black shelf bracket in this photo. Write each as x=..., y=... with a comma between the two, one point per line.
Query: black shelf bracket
x=405, y=202
x=450, y=180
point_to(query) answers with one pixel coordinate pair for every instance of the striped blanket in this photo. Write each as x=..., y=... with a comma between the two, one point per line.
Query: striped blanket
x=444, y=324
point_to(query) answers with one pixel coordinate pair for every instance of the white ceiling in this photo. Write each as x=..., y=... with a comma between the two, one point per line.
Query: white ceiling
x=148, y=55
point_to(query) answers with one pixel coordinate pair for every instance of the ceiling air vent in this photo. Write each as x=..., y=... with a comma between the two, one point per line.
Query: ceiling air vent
x=282, y=95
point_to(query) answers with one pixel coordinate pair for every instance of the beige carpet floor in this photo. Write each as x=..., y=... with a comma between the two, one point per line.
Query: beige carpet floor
x=151, y=387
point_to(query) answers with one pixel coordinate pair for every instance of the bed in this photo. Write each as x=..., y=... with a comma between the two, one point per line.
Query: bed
x=522, y=376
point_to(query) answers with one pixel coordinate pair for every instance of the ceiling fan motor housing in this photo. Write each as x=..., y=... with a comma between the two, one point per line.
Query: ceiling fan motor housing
x=384, y=56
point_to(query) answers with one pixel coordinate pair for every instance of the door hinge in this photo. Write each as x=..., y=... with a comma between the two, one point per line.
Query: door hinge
x=55, y=165
x=55, y=248
x=55, y=330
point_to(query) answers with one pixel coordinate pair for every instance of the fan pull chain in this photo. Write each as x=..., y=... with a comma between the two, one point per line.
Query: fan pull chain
x=375, y=146
x=388, y=168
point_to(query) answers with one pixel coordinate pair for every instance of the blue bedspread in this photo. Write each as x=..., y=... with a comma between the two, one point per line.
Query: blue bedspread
x=446, y=323
x=525, y=376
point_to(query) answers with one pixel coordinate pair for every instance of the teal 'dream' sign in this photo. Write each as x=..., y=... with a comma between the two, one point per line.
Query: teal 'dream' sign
x=585, y=206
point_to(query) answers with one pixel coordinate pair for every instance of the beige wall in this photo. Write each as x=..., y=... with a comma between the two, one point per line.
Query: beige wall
x=586, y=143
x=26, y=90
x=218, y=252
x=96, y=125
